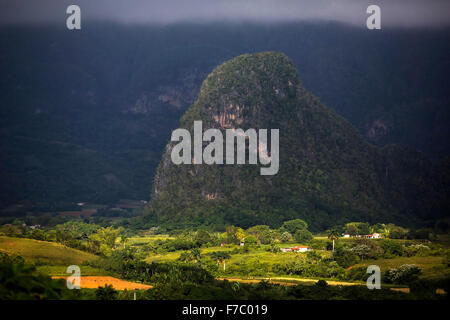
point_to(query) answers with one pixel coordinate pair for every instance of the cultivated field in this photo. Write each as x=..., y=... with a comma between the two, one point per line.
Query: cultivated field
x=93, y=282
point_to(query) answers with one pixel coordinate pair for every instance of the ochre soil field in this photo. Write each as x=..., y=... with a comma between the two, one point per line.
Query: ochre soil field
x=93, y=282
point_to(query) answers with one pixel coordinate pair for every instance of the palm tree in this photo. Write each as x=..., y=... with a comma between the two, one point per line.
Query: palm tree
x=106, y=293
x=196, y=254
x=221, y=256
x=185, y=257
x=333, y=234
x=123, y=239
x=386, y=231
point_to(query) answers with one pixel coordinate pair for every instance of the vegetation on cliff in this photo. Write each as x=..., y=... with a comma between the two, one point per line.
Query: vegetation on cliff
x=328, y=173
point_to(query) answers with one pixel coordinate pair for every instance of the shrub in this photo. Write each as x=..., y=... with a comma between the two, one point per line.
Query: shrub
x=396, y=232
x=392, y=248
x=286, y=237
x=417, y=250
x=321, y=284
x=273, y=248
x=303, y=235
x=250, y=240
x=375, y=250
x=357, y=273
x=423, y=289
x=203, y=237
x=293, y=226
x=19, y=281
x=424, y=234
x=361, y=250
x=345, y=258
x=106, y=293
x=405, y=274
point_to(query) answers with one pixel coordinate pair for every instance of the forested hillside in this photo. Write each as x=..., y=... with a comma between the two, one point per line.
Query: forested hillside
x=328, y=173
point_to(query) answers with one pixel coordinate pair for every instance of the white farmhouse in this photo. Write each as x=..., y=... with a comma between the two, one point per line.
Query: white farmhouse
x=296, y=249
x=345, y=235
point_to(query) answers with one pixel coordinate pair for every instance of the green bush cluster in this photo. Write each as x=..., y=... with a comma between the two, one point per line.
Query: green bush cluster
x=404, y=274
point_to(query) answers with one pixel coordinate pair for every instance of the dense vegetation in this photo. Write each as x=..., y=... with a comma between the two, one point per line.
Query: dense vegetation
x=328, y=173
x=235, y=252
x=186, y=265
x=20, y=282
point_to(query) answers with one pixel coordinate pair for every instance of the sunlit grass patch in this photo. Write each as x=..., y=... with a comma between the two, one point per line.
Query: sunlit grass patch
x=36, y=251
x=432, y=267
x=61, y=271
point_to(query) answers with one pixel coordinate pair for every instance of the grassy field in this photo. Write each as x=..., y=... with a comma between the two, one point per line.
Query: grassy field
x=432, y=267
x=133, y=241
x=256, y=254
x=60, y=271
x=44, y=252
x=291, y=280
x=53, y=259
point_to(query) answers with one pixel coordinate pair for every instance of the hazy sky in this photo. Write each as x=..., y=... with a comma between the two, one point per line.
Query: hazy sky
x=394, y=12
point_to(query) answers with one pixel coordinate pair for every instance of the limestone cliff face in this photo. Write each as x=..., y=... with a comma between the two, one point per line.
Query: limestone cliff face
x=328, y=173
x=230, y=116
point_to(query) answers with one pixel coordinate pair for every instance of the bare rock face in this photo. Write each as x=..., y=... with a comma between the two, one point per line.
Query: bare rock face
x=229, y=117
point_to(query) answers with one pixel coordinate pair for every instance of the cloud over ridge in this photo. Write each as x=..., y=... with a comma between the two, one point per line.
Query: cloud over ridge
x=407, y=13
